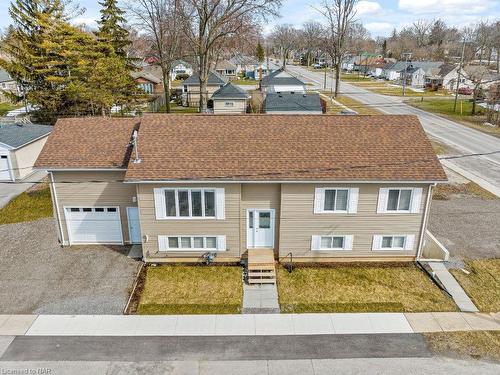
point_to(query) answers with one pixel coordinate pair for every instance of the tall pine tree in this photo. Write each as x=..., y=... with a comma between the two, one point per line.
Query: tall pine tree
x=111, y=28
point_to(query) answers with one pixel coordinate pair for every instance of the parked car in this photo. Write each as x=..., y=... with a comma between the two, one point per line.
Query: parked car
x=465, y=91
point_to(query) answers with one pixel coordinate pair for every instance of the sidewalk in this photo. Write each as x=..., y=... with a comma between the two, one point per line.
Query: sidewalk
x=244, y=325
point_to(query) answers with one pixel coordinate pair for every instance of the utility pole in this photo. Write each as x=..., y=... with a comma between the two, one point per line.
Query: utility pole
x=406, y=55
x=324, y=81
x=458, y=75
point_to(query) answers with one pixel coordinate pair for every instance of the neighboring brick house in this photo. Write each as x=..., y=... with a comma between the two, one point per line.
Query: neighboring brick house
x=324, y=188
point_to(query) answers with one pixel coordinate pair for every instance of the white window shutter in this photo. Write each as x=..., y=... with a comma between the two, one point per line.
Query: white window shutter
x=316, y=243
x=410, y=240
x=160, y=208
x=377, y=242
x=319, y=200
x=353, y=200
x=162, y=243
x=383, y=194
x=416, y=197
x=220, y=202
x=348, y=242
x=221, y=243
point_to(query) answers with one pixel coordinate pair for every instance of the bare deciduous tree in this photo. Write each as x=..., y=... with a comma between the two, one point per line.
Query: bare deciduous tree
x=207, y=23
x=284, y=38
x=339, y=14
x=159, y=20
x=310, y=37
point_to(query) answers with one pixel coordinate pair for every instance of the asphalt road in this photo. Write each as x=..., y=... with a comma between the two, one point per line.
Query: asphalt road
x=460, y=137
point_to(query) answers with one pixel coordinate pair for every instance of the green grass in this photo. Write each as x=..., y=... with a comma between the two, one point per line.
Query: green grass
x=6, y=107
x=240, y=81
x=478, y=344
x=28, y=206
x=482, y=284
x=181, y=289
x=368, y=288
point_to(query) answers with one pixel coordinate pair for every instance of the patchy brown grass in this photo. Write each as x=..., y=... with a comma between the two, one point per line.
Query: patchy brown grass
x=352, y=104
x=475, y=344
x=444, y=192
x=182, y=289
x=30, y=205
x=438, y=148
x=367, y=288
x=482, y=284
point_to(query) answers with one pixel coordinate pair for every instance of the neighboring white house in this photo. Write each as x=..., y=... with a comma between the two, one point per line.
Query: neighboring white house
x=244, y=63
x=415, y=76
x=181, y=67
x=7, y=84
x=20, y=145
x=281, y=81
x=266, y=70
x=230, y=99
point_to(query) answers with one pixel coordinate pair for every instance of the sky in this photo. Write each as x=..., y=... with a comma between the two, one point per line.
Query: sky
x=379, y=17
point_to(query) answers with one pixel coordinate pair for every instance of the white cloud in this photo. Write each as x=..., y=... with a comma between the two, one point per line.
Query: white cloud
x=87, y=21
x=443, y=7
x=368, y=7
x=379, y=28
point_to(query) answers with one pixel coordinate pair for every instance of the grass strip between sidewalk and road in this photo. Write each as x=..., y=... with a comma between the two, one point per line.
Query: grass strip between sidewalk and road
x=359, y=288
x=476, y=344
x=183, y=289
x=30, y=205
x=482, y=285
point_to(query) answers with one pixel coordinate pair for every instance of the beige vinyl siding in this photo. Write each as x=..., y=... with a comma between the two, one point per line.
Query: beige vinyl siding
x=80, y=189
x=239, y=106
x=152, y=227
x=24, y=158
x=299, y=223
x=260, y=196
x=193, y=94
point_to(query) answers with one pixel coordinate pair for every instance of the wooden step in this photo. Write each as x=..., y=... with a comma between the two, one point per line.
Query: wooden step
x=261, y=267
x=262, y=274
x=262, y=281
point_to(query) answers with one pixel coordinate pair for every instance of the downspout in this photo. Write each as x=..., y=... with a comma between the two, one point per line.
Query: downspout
x=56, y=204
x=424, y=222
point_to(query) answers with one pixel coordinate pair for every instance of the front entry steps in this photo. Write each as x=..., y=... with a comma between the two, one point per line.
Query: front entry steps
x=261, y=267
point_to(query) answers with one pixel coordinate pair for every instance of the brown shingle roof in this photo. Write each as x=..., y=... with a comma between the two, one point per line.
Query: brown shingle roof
x=284, y=148
x=88, y=142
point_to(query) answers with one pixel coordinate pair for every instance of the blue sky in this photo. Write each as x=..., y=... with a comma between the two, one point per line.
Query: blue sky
x=378, y=16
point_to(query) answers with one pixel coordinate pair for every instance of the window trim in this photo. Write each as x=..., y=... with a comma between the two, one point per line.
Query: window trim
x=335, y=211
x=321, y=248
x=392, y=236
x=320, y=196
x=408, y=245
x=412, y=194
x=191, y=249
x=190, y=204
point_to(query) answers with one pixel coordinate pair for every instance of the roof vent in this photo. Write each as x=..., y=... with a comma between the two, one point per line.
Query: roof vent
x=137, y=159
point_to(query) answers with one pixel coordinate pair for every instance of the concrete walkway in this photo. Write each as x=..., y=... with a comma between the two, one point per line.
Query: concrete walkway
x=462, y=300
x=260, y=299
x=244, y=325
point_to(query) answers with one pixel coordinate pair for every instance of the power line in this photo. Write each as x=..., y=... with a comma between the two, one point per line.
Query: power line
x=269, y=174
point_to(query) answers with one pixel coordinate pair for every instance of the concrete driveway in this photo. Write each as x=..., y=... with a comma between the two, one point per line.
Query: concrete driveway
x=9, y=191
x=39, y=277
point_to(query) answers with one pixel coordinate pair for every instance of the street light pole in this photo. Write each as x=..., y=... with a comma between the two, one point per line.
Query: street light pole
x=406, y=55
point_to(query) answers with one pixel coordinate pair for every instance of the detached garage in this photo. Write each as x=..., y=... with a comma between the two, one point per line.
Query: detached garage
x=20, y=145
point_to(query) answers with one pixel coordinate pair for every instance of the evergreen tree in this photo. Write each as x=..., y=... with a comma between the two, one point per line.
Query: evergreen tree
x=259, y=53
x=111, y=27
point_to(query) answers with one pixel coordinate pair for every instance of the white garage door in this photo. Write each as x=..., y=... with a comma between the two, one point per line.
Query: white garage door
x=94, y=225
x=4, y=168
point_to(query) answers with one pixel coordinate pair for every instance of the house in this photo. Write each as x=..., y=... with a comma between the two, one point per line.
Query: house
x=244, y=64
x=226, y=69
x=360, y=62
x=414, y=76
x=281, y=81
x=230, y=99
x=323, y=188
x=7, y=85
x=148, y=82
x=191, y=88
x=287, y=103
x=180, y=67
x=393, y=72
x=20, y=145
x=266, y=68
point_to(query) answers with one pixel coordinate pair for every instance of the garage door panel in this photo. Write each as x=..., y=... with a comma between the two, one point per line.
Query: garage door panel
x=94, y=226
x=4, y=168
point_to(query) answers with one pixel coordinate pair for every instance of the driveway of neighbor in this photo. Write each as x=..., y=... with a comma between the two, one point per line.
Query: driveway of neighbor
x=467, y=226
x=39, y=277
x=9, y=190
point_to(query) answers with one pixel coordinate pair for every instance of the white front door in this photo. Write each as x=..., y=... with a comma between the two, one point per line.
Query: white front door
x=260, y=228
x=134, y=227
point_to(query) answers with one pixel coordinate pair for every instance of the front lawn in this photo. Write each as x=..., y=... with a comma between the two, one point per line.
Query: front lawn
x=359, y=288
x=352, y=104
x=181, y=289
x=482, y=284
x=6, y=107
x=28, y=206
x=240, y=81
